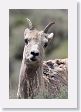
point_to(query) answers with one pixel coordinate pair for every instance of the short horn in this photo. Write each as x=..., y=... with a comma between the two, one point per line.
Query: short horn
x=30, y=23
x=48, y=26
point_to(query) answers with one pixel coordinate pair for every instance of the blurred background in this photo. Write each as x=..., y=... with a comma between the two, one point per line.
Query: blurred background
x=58, y=48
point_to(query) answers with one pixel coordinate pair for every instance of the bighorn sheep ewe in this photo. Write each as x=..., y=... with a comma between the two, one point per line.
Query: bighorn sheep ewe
x=30, y=78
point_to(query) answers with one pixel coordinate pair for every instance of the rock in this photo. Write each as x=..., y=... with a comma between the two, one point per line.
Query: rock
x=55, y=74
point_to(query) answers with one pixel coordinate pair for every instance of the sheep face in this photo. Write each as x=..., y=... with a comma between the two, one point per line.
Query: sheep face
x=35, y=43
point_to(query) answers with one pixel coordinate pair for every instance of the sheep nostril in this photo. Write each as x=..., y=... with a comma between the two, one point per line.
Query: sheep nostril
x=37, y=54
x=34, y=53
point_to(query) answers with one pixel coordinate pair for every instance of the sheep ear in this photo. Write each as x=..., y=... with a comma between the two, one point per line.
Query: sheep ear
x=26, y=31
x=50, y=36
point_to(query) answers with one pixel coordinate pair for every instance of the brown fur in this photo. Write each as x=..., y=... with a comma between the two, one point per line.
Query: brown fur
x=30, y=78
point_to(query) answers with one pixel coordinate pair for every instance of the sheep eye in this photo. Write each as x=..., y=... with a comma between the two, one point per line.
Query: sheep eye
x=26, y=41
x=45, y=45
